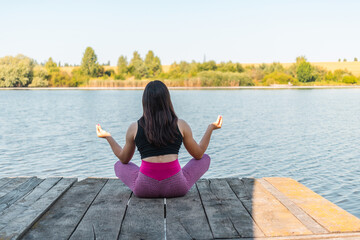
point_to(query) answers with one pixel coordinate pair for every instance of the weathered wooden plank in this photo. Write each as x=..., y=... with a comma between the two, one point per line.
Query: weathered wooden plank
x=21, y=205
x=62, y=218
x=11, y=197
x=227, y=216
x=269, y=214
x=332, y=217
x=18, y=225
x=3, y=181
x=309, y=222
x=11, y=185
x=220, y=223
x=185, y=217
x=103, y=219
x=144, y=219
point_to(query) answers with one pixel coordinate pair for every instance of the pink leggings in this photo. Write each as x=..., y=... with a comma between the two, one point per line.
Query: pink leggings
x=175, y=186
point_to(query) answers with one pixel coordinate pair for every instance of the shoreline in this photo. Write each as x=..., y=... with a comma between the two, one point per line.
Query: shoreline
x=183, y=88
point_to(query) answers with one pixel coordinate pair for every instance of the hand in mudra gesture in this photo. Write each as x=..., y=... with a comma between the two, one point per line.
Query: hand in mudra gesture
x=101, y=133
x=218, y=122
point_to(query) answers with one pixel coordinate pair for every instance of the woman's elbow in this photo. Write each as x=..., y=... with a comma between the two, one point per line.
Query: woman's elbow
x=124, y=161
x=198, y=156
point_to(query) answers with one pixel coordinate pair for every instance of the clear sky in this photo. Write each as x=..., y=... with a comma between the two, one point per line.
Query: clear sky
x=223, y=30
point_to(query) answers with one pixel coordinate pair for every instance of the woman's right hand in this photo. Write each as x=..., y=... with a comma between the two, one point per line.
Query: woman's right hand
x=101, y=133
x=218, y=122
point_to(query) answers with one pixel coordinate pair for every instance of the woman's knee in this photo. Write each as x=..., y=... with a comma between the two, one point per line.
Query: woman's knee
x=120, y=168
x=206, y=158
x=117, y=168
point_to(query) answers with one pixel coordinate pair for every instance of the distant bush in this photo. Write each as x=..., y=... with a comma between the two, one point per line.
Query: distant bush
x=181, y=70
x=337, y=75
x=39, y=82
x=279, y=78
x=77, y=78
x=270, y=68
x=207, y=66
x=216, y=78
x=119, y=77
x=230, y=67
x=349, y=79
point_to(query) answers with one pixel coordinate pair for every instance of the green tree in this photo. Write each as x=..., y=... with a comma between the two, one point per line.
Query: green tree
x=51, y=66
x=304, y=72
x=89, y=64
x=137, y=67
x=179, y=70
x=40, y=78
x=122, y=65
x=344, y=60
x=16, y=71
x=329, y=76
x=136, y=57
x=152, y=64
x=207, y=66
x=355, y=59
x=301, y=59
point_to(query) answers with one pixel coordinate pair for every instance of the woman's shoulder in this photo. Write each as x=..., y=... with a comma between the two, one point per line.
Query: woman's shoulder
x=133, y=125
x=132, y=130
x=182, y=122
x=183, y=126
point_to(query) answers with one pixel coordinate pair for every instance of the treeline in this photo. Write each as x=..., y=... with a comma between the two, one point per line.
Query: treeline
x=22, y=71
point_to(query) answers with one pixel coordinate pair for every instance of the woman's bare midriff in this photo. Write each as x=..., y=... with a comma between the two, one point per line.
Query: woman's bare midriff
x=162, y=158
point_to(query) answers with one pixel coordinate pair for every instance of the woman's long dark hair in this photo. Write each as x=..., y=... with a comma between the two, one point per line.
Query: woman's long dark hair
x=159, y=119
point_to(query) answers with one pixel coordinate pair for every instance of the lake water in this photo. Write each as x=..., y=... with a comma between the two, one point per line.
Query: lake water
x=309, y=135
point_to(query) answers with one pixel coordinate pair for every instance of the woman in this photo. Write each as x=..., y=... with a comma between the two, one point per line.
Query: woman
x=158, y=135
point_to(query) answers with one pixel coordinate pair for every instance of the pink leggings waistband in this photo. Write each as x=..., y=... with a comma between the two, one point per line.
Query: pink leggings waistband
x=160, y=171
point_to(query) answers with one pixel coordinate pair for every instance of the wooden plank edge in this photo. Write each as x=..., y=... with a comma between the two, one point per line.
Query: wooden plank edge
x=298, y=212
x=19, y=192
x=329, y=236
x=74, y=180
x=4, y=181
x=334, y=218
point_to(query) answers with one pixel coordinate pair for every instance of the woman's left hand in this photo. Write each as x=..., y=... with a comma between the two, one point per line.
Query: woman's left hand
x=101, y=133
x=218, y=123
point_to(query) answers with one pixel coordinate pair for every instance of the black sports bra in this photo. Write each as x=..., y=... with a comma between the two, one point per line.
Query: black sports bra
x=147, y=149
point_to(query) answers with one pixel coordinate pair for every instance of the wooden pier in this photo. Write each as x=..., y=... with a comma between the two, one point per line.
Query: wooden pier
x=226, y=208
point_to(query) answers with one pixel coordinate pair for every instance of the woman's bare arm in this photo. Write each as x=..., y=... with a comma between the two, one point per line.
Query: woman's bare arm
x=197, y=150
x=124, y=154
